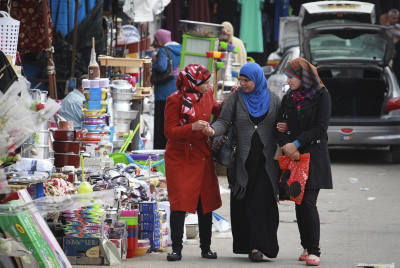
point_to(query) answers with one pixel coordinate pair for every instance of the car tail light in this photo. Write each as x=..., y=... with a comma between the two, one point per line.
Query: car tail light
x=393, y=104
x=347, y=130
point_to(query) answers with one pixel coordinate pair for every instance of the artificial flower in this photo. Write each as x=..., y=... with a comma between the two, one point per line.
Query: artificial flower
x=39, y=106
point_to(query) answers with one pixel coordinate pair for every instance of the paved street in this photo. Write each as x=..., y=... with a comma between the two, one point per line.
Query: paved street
x=353, y=229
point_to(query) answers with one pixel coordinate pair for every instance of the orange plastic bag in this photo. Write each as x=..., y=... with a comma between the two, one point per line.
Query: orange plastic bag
x=294, y=177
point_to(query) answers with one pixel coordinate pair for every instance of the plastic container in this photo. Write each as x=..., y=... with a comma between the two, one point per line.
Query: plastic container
x=130, y=213
x=139, y=252
x=145, y=157
x=130, y=220
x=9, y=31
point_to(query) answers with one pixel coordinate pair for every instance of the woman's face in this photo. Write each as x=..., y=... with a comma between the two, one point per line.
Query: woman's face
x=157, y=43
x=203, y=88
x=246, y=84
x=293, y=82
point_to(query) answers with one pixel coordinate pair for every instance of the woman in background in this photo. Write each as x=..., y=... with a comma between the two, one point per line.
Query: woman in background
x=162, y=40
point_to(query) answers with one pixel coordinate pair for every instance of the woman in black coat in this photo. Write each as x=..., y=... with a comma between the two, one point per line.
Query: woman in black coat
x=307, y=110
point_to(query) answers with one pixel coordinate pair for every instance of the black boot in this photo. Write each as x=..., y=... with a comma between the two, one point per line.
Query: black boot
x=174, y=256
x=256, y=256
x=209, y=254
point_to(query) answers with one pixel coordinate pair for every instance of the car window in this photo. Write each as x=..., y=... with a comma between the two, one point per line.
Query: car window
x=280, y=69
x=365, y=47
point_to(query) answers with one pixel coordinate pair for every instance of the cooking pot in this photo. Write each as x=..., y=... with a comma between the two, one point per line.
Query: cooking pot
x=131, y=115
x=66, y=125
x=42, y=137
x=122, y=86
x=68, y=135
x=122, y=127
x=42, y=152
x=61, y=160
x=118, y=96
x=122, y=106
x=67, y=146
x=100, y=120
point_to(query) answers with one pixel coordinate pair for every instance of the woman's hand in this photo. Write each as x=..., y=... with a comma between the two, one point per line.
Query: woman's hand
x=209, y=131
x=295, y=156
x=199, y=125
x=235, y=88
x=289, y=149
x=282, y=127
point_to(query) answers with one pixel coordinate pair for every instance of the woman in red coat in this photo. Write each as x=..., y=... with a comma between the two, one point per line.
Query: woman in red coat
x=191, y=179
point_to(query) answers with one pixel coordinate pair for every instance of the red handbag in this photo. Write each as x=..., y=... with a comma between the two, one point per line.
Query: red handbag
x=294, y=177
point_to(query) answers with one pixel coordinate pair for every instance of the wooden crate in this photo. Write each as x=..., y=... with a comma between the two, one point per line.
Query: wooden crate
x=121, y=62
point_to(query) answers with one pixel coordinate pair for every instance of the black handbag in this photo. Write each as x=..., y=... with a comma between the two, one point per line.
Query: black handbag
x=223, y=147
x=157, y=78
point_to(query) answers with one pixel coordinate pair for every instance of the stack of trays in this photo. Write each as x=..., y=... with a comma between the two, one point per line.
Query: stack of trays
x=122, y=93
x=131, y=217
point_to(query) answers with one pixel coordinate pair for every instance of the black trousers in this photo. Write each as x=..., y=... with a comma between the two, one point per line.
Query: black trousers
x=308, y=221
x=178, y=223
x=160, y=141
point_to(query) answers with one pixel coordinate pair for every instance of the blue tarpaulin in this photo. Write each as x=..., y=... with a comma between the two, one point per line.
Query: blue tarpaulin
x=64, y=7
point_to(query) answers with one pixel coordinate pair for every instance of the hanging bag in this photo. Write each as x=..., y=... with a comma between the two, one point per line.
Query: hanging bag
x=158, y=78
x=294, y=177
x=223, y=147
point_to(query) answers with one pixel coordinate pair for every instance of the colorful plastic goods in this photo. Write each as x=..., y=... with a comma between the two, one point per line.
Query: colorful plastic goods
x=215, y=54
x=229, y=47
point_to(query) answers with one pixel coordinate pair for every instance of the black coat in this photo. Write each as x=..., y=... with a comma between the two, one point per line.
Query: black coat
x=309, y=126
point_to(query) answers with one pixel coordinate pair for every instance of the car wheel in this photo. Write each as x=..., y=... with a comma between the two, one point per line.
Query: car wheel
x=395, y=153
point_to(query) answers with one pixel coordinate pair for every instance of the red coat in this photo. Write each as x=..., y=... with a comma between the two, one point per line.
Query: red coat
x=189, y=166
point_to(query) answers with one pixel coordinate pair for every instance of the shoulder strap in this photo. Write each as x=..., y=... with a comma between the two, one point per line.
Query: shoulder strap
x=167, y=50
x=234, y=111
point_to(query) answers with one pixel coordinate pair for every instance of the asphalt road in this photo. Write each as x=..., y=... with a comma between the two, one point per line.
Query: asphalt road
x=353, y=228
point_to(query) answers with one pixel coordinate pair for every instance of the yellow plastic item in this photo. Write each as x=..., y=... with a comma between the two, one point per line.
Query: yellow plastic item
x=93, y=113
x=154, y=180
x=141, y=251
x=85, y=187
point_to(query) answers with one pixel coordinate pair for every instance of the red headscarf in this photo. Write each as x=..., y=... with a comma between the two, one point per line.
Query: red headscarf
x=187, y=83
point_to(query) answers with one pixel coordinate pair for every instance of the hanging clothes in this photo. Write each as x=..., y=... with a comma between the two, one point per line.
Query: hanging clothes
x=251, y=25
x=173, y=12
x=199, y=10
x=281, y=10
x=31, y=32
x=222, y=10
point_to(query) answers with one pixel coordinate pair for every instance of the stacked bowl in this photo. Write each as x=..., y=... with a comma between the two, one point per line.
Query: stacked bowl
x=95, y=116
x=122, y=94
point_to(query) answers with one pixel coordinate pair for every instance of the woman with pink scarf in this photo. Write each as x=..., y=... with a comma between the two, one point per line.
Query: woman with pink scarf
x=162, y=40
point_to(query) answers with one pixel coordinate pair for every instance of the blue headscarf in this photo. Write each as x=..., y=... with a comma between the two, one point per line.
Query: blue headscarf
x=257, y=102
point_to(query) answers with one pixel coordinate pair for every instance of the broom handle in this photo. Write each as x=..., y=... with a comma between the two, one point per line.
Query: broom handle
x=215, y=79
x=129, y=140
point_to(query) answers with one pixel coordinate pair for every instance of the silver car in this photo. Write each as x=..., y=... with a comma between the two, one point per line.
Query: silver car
x=353, y=63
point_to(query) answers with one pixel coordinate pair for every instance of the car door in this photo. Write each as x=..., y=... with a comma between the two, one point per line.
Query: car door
x=278, y=77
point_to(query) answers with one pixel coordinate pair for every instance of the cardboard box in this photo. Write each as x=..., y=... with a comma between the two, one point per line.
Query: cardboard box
x=150, y=235
x=148, y=207
x=82, y=247
x=149, y=216
x=155, y=244
x=22, y=227
x=150, y=226
x=165, y=228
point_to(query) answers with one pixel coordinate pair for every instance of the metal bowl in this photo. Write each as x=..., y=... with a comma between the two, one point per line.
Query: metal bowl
x=201, y=29
x=122, y=96
x=124, y=114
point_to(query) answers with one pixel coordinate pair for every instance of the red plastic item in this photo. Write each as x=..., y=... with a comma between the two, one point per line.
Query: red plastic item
x=215, y=54
x=298, y=175
x=393, y=104
x=13, y=196
x=130, y=253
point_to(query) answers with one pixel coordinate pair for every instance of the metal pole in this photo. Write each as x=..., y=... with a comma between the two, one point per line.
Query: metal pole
x=49, y=54
x=75, y=34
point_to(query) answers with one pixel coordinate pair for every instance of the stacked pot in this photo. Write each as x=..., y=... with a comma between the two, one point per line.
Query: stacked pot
x=38, y=146
x=122, y=94
x=67, y=145
x=95, y=116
